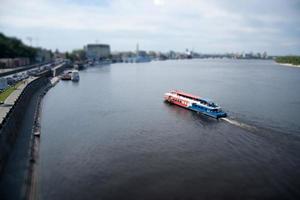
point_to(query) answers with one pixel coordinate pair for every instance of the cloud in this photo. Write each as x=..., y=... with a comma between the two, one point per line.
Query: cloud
x=159, y=2
x=208, y=26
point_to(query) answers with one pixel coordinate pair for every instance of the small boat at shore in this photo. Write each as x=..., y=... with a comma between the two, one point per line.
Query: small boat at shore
x=66, y=76
x=194, y=103
x=37, y=133
x=75, y=75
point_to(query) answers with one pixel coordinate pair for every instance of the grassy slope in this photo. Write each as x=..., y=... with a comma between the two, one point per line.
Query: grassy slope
x=8, y=91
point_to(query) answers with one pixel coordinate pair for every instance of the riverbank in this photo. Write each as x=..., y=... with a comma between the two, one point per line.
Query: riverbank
x=291, y=61
x=17, y=176
x=288, y=64
x=32, y=184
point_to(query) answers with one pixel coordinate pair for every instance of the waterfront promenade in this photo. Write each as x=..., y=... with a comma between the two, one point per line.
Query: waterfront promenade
x=18, y=115
x=12, y=98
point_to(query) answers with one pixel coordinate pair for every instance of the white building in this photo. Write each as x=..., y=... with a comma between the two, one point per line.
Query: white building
x=97, y=51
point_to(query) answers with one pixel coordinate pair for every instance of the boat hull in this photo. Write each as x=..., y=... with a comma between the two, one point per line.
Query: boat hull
x=74, y=76
x=187, y=105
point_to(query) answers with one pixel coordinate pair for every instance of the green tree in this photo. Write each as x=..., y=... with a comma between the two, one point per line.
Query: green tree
x=11, y=47
x=295, y=60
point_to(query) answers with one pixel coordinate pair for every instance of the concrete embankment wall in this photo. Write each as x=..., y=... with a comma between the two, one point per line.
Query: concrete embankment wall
x=58, y=69
x=11, y=124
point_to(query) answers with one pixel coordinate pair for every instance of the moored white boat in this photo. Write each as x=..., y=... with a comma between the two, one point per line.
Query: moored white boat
x=75, y=75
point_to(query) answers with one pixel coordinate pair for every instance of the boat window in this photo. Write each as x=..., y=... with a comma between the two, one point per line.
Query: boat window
x=212, y=104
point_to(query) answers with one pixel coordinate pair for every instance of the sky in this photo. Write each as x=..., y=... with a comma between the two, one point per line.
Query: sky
x=214, y=26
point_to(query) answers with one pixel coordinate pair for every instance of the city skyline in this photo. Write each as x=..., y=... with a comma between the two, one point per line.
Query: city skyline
x=161, y=25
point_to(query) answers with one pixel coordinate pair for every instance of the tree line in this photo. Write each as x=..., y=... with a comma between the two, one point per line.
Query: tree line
x=295, y=60
x=11, y=47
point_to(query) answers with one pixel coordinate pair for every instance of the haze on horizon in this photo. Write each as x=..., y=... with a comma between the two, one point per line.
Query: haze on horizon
x=213, y=26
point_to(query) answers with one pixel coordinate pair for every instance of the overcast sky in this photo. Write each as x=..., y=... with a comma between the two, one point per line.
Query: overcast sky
x=207, y=26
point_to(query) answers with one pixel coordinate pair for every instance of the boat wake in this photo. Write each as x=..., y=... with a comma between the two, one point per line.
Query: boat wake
x=239, y=124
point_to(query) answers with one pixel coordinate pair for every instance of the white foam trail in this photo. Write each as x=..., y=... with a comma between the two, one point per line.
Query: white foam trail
x=239, y=124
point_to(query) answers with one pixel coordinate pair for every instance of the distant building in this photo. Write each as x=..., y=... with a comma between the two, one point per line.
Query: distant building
x=152, y=55
x=58, y=56
x=249, y=55
x=13, y=62
x=116, y=57
x=127, y=56
x=172, y=55
x=162, y=56
x=43, y=55
x=188, y=53
x=97, y=51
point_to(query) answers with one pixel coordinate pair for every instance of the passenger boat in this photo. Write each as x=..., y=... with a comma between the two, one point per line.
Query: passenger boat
x=195, y=103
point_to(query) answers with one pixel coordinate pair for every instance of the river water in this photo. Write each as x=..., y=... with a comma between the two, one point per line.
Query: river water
x=111, y=135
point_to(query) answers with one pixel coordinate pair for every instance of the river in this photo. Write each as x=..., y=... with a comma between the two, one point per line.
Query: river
x=111, y=135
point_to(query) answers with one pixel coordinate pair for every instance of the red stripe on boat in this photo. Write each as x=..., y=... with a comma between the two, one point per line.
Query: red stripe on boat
x=186, y=94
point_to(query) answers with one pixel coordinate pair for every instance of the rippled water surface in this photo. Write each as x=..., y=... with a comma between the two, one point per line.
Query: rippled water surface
x=111, y=136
